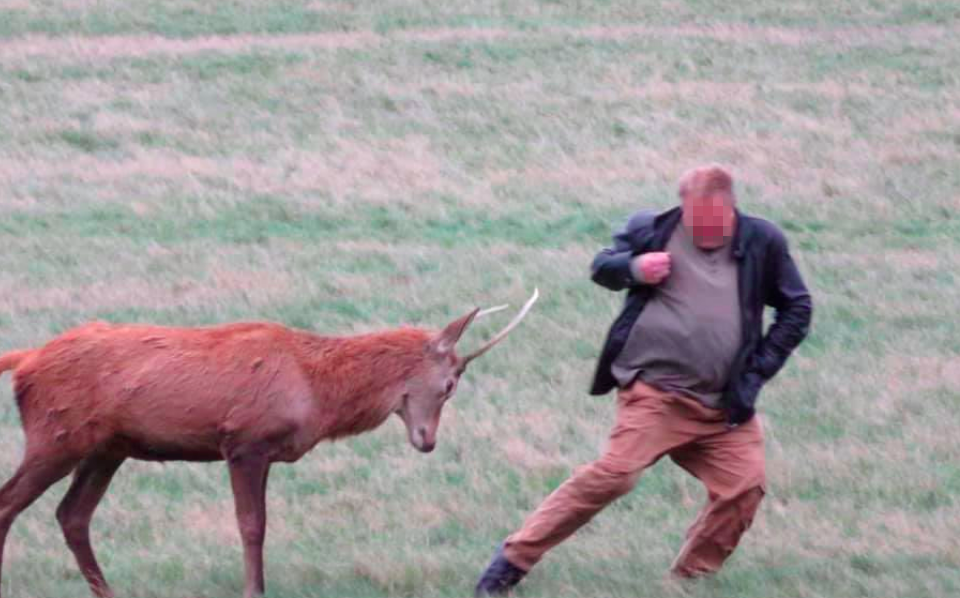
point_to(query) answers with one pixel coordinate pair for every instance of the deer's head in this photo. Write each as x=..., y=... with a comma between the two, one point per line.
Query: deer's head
x=434, y=383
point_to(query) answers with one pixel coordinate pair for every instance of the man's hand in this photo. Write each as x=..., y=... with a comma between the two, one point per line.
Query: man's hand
x=652, y=267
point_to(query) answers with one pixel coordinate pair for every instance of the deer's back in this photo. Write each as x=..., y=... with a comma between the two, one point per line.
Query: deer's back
x=165, y=393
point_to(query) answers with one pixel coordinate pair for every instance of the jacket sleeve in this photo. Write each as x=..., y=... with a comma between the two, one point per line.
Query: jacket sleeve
x=612, y=267
x=789, y=297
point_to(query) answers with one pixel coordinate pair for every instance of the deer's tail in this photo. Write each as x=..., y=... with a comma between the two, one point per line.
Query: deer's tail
x=12, y=359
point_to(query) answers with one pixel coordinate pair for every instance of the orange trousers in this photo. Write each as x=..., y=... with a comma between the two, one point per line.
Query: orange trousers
x=650, y=424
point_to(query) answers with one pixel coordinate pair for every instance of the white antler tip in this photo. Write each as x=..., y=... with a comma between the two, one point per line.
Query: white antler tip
x=500, y=335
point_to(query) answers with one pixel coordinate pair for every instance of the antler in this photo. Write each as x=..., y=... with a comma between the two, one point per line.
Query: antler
x=491, y=310
x=503, y=333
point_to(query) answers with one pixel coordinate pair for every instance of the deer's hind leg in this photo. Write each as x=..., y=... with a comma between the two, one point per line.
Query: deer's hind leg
x=90, y=482
x=39, y=470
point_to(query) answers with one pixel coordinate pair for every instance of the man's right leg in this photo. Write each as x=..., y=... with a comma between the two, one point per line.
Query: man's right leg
x=591, y=488
x=642, y=434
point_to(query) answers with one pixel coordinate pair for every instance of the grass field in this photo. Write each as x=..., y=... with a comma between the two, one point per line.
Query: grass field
x=348, y=166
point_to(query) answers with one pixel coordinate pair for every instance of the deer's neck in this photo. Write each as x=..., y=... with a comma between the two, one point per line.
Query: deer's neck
x=358, y=382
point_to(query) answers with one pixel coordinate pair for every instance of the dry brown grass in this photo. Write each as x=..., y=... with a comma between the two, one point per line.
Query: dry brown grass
x=86, y=49
x=768, y=35
x=374, y=172
x=93, y=49
x=254, y=287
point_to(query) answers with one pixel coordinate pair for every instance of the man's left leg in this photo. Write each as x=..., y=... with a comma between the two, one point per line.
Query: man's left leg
x=731, y=464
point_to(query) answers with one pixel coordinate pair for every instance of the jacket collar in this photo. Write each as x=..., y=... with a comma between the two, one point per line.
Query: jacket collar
x=740, y=235
x=664, y=224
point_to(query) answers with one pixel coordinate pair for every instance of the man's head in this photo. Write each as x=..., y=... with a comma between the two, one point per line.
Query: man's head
x=708, y=205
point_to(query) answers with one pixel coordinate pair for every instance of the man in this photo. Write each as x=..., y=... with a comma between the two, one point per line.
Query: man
x=689, y=356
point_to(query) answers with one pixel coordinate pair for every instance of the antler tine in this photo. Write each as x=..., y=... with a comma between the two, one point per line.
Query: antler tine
x=503, y=333
x=491, y=310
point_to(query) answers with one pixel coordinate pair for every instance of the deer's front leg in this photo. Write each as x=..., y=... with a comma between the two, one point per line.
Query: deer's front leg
x=249, y=467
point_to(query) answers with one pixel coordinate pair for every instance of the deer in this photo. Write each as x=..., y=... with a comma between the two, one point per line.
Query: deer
x=250, y=394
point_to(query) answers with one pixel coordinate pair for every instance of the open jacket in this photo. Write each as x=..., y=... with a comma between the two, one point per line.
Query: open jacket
x=766, y=275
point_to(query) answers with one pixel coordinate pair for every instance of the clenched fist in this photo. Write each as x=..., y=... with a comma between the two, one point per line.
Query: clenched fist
x=652, y=267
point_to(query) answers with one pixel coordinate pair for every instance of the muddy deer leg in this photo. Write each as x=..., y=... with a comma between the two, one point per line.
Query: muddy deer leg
x=248, y=476
x=89, y=484
x=33, y=477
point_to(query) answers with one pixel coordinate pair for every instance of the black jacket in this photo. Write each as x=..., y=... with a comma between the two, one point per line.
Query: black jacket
x=766, y=275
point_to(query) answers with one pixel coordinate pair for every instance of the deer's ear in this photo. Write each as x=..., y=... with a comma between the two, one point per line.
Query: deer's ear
x=446, y=339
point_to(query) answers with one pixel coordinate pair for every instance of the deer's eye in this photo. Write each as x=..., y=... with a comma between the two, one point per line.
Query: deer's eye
x=449, y=386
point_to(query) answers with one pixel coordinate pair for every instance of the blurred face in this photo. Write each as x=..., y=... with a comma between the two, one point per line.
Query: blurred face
x=709, y=220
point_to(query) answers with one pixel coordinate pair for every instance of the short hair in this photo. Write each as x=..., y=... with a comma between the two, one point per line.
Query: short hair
x=707, y=181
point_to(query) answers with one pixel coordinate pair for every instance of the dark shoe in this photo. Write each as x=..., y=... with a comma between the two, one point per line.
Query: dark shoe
x=499, y=578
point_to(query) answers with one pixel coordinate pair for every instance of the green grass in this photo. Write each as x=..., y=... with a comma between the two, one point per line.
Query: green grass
x=348, y=166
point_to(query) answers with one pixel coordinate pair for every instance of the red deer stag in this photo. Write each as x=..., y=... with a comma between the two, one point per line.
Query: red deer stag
x=250, y=394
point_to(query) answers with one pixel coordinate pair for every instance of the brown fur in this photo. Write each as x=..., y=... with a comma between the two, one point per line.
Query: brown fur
x=249, y=393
